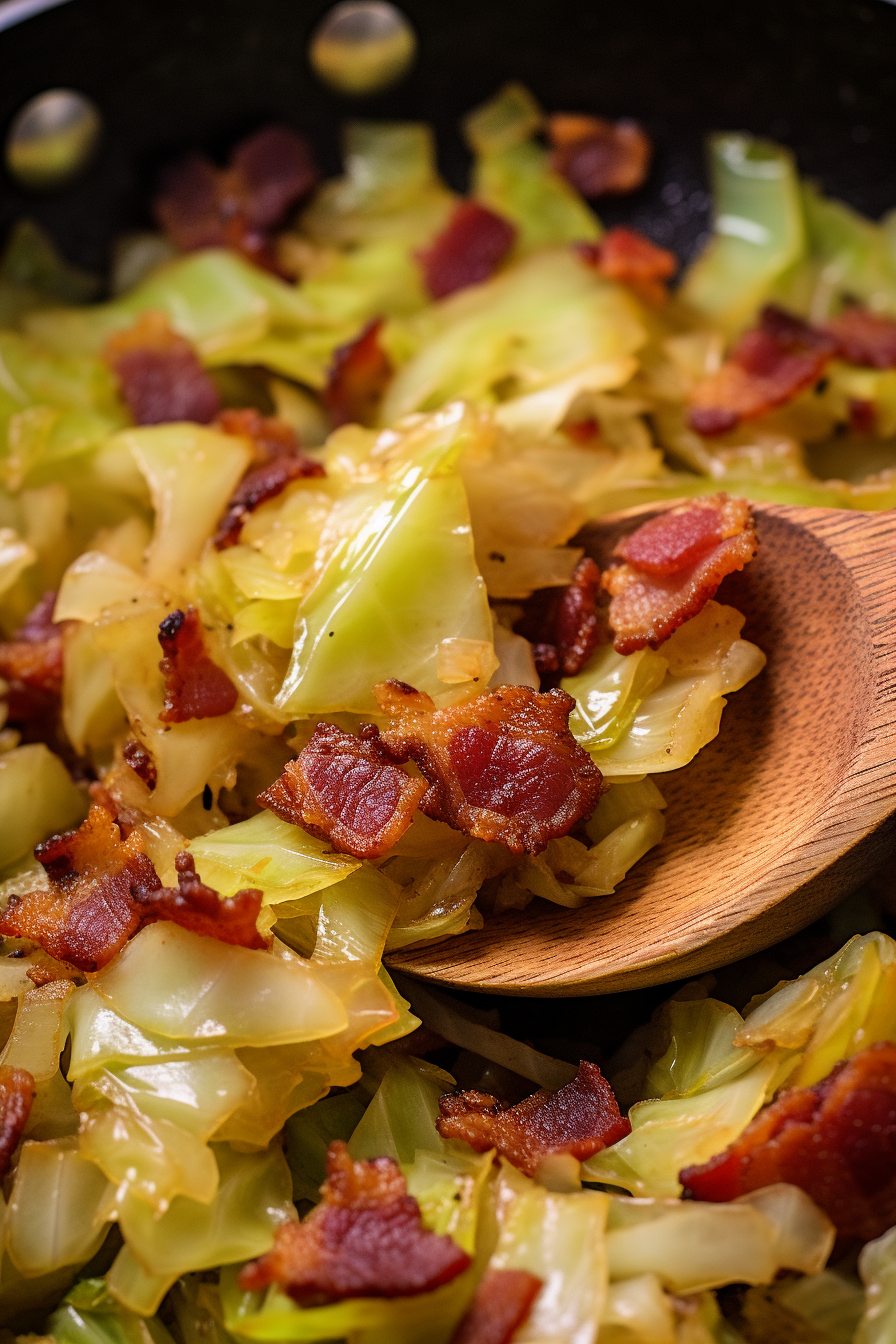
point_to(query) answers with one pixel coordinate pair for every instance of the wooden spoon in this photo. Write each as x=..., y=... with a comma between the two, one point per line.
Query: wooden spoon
x=783, y=814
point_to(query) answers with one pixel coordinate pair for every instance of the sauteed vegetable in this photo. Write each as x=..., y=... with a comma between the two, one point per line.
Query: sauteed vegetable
x=305, y=659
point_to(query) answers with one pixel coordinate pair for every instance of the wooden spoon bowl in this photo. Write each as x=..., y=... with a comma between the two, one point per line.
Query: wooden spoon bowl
x=776, y=820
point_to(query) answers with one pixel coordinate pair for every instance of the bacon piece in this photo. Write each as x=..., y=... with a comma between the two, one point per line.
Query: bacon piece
x=89, y=912
x=502, y=766
x=141, y=762
x=103, y=889
x=769, y=366
x=581, y=1118
x=343, y=789
x=200, y=205
x=501, y=1303
x=199, y=908
x=359, y=375
x=864, y=338
x=195, y=687
x=16, y=1098
x=565, y=626
x=365, y=1239
x=836, y=1141
x=629, y=257
x=672, y=565
x=469, y=249
x=278, y=460
x=159, y=373
x=31, y=664
x=599, y=157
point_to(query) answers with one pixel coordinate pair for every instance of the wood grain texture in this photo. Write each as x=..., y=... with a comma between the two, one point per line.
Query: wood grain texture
x=773, y=822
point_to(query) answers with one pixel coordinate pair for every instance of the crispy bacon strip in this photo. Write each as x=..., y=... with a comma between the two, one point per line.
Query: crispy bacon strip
x=278, y=460
x=103, y=889
x=199, y=908
x=195, y=687
x=836, y=1141
x=502, y=766
x=365, y=1239
x=672, y=565
x=358, y=377
x=469, y=249
x=200, y=205
x=599, y=157
x=629, y=257
x=770, y=365
x=581, y=1118
x=159, y=373
x=343, y=789
x=141, y=762
x=565, y=626
x=31, y=664
x=501, y=1303
x=16, y=1098
x=89, y=912
x=864, y=338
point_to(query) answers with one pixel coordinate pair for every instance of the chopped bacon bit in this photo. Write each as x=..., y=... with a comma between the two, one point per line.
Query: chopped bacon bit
x=16, y=1097
x=141, y=762
x=862, y=415
x=627, y=256
x=599, y=157
x=564, y=626
x=672, y=565
x=199, y=908
x=358, y=378
x=278, y=460
x=836, y=1141
x=502, y=766
x=195, y=687
x=864, y=338
x=469, y=249
x=501, y=1303
x=581, y=1118
x=126, y=818
x=365, y=1239
x=89, y=912
x=31, y=664
x=769, y=366
x=343, y=789
x=159, y=373
x=103, y=889
x=200, y=205
x=581, y=431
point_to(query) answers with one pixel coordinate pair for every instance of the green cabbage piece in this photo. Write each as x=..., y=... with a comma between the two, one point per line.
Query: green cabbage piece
x=851, y=256
x=561, y=1239
x=707, y=660
x=512, y=174
x=877, y=1267
x=99, y=1036
x=547, y=322
x=35, y=1043
x=283, y=861
x=90, y=1315
x=609, y=693
x=197, y=1309
x=829, y=1303
x=171, y=982
x=402, y=581
x=439, y=890
x=197, y=1093
x=253, y=1198
x=34, y=275
x=37, y=799
x=55, y=1216
x=759, y=230
x=637, y=1309
x=400, y=1120
x=309, y=1133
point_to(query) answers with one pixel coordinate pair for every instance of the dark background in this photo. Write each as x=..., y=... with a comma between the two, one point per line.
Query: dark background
x=172, y=74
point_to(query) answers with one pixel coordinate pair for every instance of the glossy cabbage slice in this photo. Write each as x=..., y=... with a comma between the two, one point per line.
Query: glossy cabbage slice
x=707, y=660
x=89, y=1314
x=759, y=231
x=512, y=174
x=546, y=322
x=389, y=591
x=57, y=1211
x=283, y=861
x=37, y=799
x=877, y=1267
x=35, y=1043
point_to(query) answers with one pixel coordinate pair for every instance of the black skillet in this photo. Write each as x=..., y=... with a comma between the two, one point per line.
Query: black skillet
x=171, y=75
